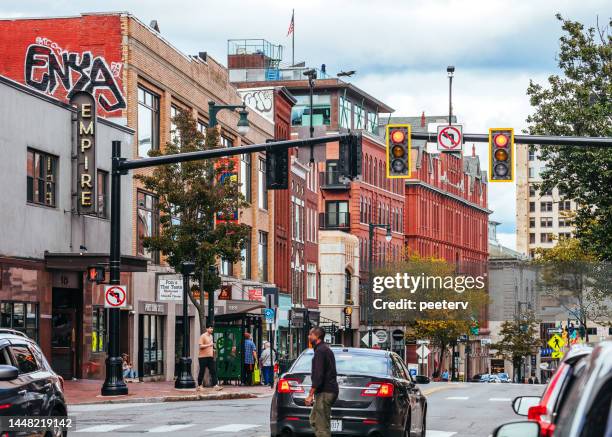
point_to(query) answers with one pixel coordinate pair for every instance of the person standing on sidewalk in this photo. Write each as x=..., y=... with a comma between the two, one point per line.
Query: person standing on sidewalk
x=250, y=357
x=206, y=359
x=324, y=390
x=266, y=362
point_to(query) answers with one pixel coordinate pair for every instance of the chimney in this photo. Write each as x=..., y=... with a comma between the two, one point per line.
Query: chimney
x=473, y=149
x=423, y=119
x=203, y=56
x=153, y=25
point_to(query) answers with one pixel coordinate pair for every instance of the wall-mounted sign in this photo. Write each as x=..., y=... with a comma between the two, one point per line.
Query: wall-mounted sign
x=170, y=289
x=86, y=151
x=297, y=319
x=256, y=294
x=347, y=312
x=225, y=293
x=152, y=307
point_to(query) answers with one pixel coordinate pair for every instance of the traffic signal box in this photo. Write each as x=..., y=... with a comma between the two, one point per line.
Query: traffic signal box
x=398, y=151
x=350, y=157
x=501, y=154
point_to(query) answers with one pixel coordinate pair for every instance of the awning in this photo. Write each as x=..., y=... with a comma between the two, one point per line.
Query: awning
x=238, y=306
x=80, y=261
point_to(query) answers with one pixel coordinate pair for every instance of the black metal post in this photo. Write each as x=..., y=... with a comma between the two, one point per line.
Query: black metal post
x=453, y=368
x=211, y=299
x=450, y=99
x=370, y=282
x=467, y=359
x=185, y=379
x=113, y=383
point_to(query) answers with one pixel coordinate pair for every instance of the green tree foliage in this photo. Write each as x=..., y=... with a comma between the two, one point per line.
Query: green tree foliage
x=579, y=102
x=191, y=194
x=519, y=338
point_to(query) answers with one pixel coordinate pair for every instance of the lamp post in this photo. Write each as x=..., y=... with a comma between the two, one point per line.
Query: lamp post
x=243, y=122
x=213, y=270
x=388, y=237
x=312, y=75
x=185, y=379
x=451, y=71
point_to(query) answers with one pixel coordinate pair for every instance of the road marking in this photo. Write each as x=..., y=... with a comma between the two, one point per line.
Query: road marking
x=102, y=428
x=500, y=399
x=171, y=428
x=432, y=433
x=86, y=408
x=235, y=427
x=458, y=398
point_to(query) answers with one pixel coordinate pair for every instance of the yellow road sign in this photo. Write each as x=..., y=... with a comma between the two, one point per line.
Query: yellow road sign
x=556, y=342
x=557, y=355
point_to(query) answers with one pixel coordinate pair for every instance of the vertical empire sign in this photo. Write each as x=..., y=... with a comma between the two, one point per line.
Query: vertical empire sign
x=86, y=151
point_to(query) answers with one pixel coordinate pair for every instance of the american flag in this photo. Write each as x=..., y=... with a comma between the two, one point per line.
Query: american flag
x=291, y=25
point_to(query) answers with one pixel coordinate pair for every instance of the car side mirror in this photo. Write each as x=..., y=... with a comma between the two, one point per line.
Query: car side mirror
x=518, y=429
x=8, y=373
x=421, y=379
x=522, y=404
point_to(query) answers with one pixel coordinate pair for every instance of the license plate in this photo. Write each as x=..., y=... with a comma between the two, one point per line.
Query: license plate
x=336, y=425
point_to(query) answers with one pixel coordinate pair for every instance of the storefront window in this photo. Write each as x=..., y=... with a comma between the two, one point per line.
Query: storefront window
x=21, y=316
x=321, y=111
x=98, y=330
x=152, y=344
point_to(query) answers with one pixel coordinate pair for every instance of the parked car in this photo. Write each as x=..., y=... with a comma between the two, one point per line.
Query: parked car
x=587, y=409
x=28, y=385
x=504, y=377
x=494, y=379
x=378, y=396
x=477, y=377
x=545, y=409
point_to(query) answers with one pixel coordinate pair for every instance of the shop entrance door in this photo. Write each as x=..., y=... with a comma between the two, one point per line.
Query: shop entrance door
x=63, y=342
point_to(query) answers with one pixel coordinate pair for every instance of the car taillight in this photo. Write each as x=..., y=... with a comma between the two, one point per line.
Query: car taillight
x=378, y=389
x=289, y=386
x=61, y=381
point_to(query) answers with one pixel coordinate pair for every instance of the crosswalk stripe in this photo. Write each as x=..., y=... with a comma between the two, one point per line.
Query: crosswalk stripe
x=102, y=428
x=458, y=398
x=171, y=428
x=235, y=427
x=500, y=399
x=432, y=433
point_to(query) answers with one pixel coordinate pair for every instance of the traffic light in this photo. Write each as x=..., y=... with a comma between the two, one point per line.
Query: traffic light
x=398, y=150
x=95, y=274
x=277, y=169
x=501, y=154
x=349, y=156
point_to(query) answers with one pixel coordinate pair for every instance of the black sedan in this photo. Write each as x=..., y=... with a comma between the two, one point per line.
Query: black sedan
x=378, y=397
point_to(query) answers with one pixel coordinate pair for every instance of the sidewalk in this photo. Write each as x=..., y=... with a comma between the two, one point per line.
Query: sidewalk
x=87, y=391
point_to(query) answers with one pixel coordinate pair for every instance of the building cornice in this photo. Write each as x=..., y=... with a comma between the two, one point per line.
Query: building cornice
x=413, y=182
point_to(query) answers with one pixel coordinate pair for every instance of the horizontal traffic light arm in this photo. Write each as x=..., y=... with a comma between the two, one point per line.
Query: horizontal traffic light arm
x=547, y=140
x=123, y=165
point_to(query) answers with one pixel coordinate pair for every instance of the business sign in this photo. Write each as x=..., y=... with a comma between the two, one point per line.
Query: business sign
x=115, y=296
x=297, y=319
x=170, y=289
x=256, y=294
x=86, y=152
x=348, y=319
x=225, y=293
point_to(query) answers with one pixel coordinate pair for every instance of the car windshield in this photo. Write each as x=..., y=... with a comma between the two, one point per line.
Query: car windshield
x=347, y=363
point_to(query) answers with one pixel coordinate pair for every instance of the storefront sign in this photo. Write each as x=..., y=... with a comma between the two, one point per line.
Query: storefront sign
x=153, y=308
x=170, y=289
x=297, y=319
x=225, y=293
x=86, y=151
x=255, y=294
x=348, y=319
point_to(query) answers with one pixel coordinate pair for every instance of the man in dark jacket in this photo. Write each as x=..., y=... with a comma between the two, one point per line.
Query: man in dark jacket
x=324, y=390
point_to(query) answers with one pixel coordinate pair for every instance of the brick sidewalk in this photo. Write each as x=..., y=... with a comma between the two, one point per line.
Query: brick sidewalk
x=87, y=391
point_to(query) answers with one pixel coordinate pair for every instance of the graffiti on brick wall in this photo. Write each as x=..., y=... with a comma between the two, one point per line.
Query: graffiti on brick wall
x=261, y=101
x=48, y=67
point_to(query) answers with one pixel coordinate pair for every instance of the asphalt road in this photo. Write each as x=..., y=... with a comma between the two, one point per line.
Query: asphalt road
x=454, y=410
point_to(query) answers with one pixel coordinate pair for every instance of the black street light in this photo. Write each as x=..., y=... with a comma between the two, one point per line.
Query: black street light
x=388, y=237
x=312, y=75
x=185, y=379
x=451, y=71
x=213, y=270
x=243, y=122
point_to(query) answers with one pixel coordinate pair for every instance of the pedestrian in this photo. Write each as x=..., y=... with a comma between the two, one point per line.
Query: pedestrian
x=324, y=389
x=445, y=375
x=266, y=362
x=206, y=359
x=250, y=357
x=128, y=369
x=530, y=380
x=536, y=380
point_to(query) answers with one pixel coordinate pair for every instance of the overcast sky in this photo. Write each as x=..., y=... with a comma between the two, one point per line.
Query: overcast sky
x=400, y=49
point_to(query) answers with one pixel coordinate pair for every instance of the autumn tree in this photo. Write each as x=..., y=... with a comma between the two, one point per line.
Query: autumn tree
x=578, y=101
x=196, y=202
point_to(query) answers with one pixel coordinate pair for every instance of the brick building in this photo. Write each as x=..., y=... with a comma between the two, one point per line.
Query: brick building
x=140, y=80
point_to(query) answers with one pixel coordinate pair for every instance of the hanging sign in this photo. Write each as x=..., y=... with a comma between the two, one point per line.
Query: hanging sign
x=85, y=152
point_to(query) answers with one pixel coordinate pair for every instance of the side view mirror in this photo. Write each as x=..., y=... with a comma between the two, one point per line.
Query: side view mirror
x=8, y=373
x=522, y=404
x=421, y=379
x=518, y=429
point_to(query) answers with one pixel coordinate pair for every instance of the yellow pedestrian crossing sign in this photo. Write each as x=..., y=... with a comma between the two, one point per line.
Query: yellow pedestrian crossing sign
x=557, y=355
x=556, y=342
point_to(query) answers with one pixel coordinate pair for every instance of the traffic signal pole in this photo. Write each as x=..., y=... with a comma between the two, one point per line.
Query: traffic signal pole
x=544, y=140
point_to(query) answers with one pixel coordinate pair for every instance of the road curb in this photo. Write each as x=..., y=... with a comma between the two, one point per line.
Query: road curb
x=173, y=398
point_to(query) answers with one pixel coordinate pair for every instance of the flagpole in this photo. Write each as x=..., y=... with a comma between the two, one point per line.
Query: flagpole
x=293, y=38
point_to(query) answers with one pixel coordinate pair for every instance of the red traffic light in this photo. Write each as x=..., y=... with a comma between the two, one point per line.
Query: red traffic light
x=501, y=140
x=95, y=274
x=398, y=136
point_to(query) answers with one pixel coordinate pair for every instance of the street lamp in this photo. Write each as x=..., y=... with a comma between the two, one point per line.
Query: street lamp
x=312, y=75
x=451, y=71
x=185, y=379
x=388, y=238
x=243, y=122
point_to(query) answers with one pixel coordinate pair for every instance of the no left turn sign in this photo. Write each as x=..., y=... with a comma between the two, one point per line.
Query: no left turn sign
x=450, y=138
x=115, y=296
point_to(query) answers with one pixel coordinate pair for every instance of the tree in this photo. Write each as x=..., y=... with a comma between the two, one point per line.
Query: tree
x=195, y=201
x=577, y=281
x=519, y=338
x=579, y=102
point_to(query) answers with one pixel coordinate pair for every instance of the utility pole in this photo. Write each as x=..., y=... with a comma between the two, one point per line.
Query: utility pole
x=450, y=70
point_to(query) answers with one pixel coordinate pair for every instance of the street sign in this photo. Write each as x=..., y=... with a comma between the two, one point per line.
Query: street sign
x=556, y=342
x=413, y=372
x=366, y=339
x=422, y=341
x=557, y=355
x=328, y=338
x=398, y=335
x=269, y=315
x=382, y=336
x=115, y=296
x=423, y=351
x=450, y=138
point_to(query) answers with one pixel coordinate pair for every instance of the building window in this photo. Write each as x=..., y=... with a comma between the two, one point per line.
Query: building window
x=245, y=176
x=359, y=117
x=148, y=224
x=373, y=123
x=148, y=122
x=226, y=142
x=565, y=235
x=546, y=238
x=531, y=238
x=262, y=191
x=565, y=205
x=591, y=331
x=348, y=297
x=531, y=172
x=531, y=154
x=41, y=179
x=98, y=329
x=311, y=281
x=345, y=109
x=262, y=256
x=227, y=268
x=321, y=110
x=531, y=206
x=152, y=337
x=532, y=191
x=548, y=192
x=546, y=206
x=175, y=135
x=532, y=222
x=20, y=316
x=337, y=215
x=102, y=193
x=245, y=255
x=546, y=222
x=564, y=222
